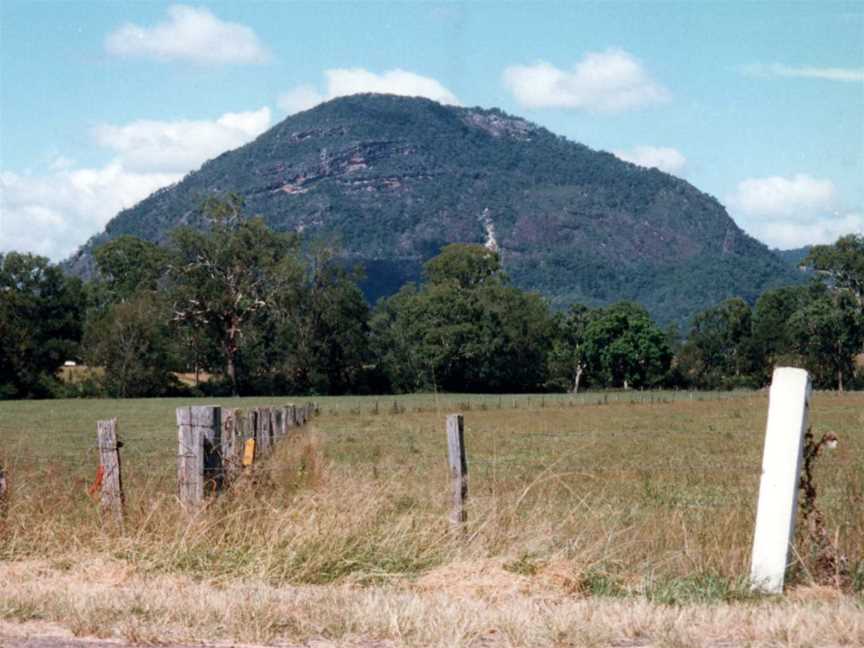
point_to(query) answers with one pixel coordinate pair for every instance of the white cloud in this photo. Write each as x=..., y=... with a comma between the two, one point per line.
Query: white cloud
x=763, y=70
x=610, y=81
x=54, y=212
x=189, y=34
x=797, y=197
x=347, y=81
x=792, y=212
x=664, y=158
x=303, y=97
x=180, y=145
x=787, y=234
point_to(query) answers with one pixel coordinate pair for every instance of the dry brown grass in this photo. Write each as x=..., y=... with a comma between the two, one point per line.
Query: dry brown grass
x=587, y=525
x=490, y=607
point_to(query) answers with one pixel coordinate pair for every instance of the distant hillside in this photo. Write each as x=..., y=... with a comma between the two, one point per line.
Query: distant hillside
x=397, y=178
x=794, y=257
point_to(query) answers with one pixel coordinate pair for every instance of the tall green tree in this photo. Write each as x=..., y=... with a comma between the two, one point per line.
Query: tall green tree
x=223, y=278
x=465, y=329
x=128, y=265
x=41, y=313
x=466, y=265
x=719, y=352
x=625, y=348
x=773, y=339
x=842, y=264
x=828, y=332
x=840, y=323
x=322, y=323
x=132, y=343
x=567, y=357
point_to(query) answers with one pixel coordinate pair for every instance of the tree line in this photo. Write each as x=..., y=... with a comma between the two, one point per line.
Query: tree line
x=255, y=312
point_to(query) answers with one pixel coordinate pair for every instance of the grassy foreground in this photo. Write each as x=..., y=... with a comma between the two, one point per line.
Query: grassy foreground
x=588, y=518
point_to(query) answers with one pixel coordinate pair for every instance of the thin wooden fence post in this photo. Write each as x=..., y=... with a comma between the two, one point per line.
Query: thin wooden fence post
x=190, y=460
x=788, y=409
x=250, y=425
x=290, y=417
x=232, y=443
x=458, y=468
x=199, y=454
x=277, y=427
x=264, y=440
x=111, y=498
x=209, y=421
x=4, y=492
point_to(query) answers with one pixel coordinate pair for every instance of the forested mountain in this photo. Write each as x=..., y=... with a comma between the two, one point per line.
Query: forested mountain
x=795, y=256
x=394, y=179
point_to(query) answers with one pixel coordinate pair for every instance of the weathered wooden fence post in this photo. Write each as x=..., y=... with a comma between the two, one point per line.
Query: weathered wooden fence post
x=4, y=492
x=209, y=419
x=190, y=460
x=788, y=409
x=277, y=424
x=232, y=443
x=264, y=433
x=199, y=462
x=458, y=468
x=290, y=417
x=111, y=497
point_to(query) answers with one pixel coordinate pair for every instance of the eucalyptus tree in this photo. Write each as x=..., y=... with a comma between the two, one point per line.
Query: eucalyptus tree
x=226, y=276
x=842, y=264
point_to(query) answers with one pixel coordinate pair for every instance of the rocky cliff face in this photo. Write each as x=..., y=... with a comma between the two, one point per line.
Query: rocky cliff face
x=395, y=178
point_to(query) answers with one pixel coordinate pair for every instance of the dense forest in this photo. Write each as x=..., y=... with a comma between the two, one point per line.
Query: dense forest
x=248, y=310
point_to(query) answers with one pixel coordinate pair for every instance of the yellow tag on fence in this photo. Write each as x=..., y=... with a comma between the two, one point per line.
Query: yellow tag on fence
x=249, y=452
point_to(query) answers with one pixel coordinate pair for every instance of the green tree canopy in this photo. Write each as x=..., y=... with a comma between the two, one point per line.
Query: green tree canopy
x=321, y=324
x=128, y=265
x=131, y=341
x=842, y=263
x=827, y=332
x=567, y=357
x=719, y=352
x=224, y=277
x=41, y=313
x=464, y=330
x=625, y=348
x=469, y=266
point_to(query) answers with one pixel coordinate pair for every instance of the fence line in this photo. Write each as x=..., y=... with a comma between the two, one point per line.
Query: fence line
x=215, y=445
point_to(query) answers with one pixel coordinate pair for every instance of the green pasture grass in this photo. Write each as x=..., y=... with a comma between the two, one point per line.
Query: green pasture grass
x=647, y=492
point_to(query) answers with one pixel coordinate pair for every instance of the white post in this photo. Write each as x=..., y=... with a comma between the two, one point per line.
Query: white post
x=788, y=406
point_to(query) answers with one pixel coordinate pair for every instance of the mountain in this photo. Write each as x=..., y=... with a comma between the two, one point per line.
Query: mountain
x=397, y=178
x=795, y=256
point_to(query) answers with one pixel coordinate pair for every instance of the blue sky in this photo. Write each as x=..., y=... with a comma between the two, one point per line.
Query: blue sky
x=759, y=104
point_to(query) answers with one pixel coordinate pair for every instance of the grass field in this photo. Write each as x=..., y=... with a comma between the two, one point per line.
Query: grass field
x=625, y=500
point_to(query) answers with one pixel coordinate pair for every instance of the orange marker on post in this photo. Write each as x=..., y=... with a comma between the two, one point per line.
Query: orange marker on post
x=249, y=452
